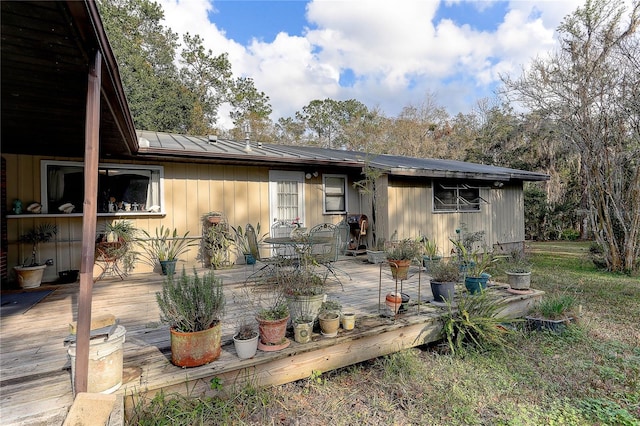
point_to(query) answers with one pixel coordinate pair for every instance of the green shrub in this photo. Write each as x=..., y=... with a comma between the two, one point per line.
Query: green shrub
x=475, y=321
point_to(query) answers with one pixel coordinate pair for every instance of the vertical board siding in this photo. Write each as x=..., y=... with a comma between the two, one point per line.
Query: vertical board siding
x=242, y=194
x=411, y=214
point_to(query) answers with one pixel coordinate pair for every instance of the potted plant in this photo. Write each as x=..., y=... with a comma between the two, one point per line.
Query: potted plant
x=518, y=270
x=272, y=324
x=377, y=254
x=329, y=317
x=242, y=242
x=165, y=247
x=218, y=242
x=116, y=244
x=552, y=313
x=430, y=253
x=444, y=276
x=399, y=255
x=476, y=263
x=193, y=308
x=245, y=340
x=30, y=273
x=213, y=217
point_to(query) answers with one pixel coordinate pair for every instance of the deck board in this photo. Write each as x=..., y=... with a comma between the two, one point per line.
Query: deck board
x=35, y=383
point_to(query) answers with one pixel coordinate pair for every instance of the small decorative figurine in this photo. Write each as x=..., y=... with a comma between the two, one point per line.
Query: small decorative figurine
x=17, y=206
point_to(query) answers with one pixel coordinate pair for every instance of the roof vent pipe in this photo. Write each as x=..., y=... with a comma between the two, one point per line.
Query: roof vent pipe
x=213, y=139
x=247, y=129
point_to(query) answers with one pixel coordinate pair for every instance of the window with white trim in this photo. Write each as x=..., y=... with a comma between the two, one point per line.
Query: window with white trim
x=335, y=194
x=122, y=188
x=455, y=197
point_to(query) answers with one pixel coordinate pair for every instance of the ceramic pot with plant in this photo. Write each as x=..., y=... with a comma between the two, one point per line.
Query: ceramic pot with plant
x=165, y=248
x=377, y=253
x=303, y=329
x=476, y=263
x=242, y=242
x=193, y=307
x=444, y=276
x=245, y=341
x=329, y=318
x=399, y=255
x=430, y=254
x=272, y=325
x=518, y=270
x=30, y=273
x=303, y=289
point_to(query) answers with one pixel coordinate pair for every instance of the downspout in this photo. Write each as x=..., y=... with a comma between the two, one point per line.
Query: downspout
x=89, y=218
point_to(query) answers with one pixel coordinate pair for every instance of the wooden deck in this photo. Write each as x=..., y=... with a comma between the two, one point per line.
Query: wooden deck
x=35, y=382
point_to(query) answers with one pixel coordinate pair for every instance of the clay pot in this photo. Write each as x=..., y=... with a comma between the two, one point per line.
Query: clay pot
x=197, y=348
x=393, y=302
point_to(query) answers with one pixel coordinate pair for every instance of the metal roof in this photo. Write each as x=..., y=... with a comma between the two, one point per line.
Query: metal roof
x=166, y=146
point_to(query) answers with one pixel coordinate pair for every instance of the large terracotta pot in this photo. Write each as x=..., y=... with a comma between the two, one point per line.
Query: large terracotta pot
x=197, y=348
x=399, y=268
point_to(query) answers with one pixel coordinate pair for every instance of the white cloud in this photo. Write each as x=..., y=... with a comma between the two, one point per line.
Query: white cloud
x=394, y=49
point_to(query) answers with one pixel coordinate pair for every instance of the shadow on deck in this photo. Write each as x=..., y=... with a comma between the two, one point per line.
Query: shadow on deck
x=36, y=375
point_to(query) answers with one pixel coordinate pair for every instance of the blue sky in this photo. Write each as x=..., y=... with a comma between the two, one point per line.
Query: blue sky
x=387, y=54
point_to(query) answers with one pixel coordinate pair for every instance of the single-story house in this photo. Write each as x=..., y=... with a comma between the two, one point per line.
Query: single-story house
x=156, y=179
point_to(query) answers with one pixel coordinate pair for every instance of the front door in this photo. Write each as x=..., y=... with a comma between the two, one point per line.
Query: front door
x=286, y=196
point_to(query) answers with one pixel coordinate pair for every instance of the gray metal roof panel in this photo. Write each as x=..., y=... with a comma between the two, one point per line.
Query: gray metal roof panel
x=166, y=144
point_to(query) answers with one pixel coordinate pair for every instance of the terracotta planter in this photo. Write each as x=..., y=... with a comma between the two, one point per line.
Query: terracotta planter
x=329, y=323
x=246, y=348
x=399, y=268
x=272, y=332
x=30, y=276
x=214, y=219
x=197, y=348
x=519, y=281
x=393, y=302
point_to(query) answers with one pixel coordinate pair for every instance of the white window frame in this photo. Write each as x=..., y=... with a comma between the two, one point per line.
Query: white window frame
x=459, y=200
x=44, y=184
x=345, y=193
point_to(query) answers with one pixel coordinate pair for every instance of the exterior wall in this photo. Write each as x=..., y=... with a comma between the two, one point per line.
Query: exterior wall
x=410, y=213
x=190, y=190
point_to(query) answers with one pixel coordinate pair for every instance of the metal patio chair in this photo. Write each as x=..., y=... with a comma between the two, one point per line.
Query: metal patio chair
x=325, y=239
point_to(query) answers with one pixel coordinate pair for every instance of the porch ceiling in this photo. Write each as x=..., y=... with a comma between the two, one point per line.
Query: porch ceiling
x=46, y=50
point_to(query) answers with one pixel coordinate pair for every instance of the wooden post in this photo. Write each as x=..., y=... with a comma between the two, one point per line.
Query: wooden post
x=91, y=147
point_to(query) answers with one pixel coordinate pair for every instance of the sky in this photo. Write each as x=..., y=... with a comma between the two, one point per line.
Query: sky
x=386, y=54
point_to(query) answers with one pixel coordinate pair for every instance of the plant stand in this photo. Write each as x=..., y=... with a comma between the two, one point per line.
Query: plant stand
x=398, y=288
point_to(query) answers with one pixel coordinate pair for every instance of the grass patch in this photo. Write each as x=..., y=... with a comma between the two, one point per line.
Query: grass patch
x=587, y=375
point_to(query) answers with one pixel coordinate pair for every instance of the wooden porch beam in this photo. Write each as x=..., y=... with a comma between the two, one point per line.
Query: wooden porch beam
x=89, y=218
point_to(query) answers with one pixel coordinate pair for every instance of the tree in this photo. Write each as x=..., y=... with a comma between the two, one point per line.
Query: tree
x=145, y=51
x=327, y=119
x=208, y=77
x=250, y=107
x=589, y=87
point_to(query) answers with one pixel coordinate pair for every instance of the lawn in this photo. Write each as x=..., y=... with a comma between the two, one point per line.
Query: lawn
x=588, y=375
